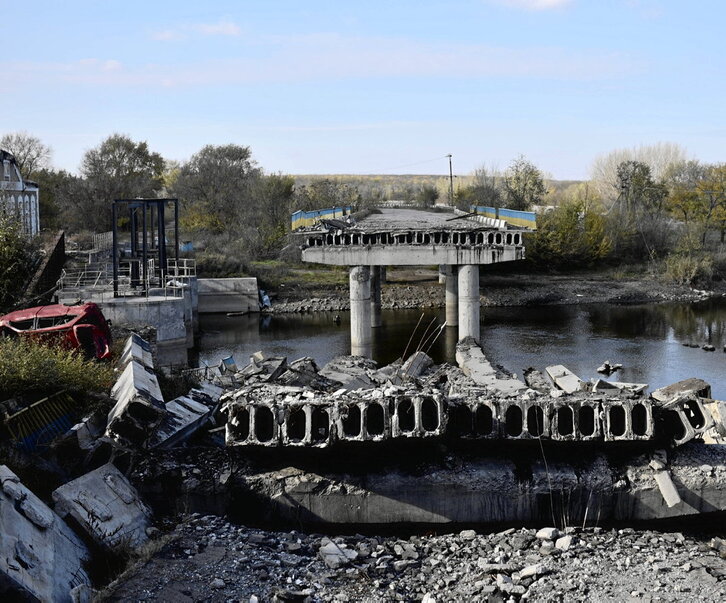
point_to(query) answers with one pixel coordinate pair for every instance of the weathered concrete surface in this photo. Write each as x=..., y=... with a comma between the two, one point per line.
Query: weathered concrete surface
x=139, y=407
x=361, y=338
x=474, y=364
x=698, y=472
x=564, y=378
x=41, y=559
x=500, y=490
x=136, y=348
x=693, y=385
x=107, y=507
x=185, y=415
x=411, y=256
x=169, y=316
x=469, y=302
x=228, y=295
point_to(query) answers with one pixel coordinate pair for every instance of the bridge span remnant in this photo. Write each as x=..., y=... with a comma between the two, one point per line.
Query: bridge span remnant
x=408, y=237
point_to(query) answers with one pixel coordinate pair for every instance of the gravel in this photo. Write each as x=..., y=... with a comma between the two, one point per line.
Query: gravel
x=210, y=559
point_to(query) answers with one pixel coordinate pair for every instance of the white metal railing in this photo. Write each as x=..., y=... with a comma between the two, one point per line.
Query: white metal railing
x=99, y=283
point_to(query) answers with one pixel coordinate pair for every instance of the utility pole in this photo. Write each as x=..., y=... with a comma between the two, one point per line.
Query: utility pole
x=451, y=183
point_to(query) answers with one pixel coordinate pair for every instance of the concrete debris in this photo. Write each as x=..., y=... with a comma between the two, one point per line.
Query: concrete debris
x=699, y=387
x=184, y=416
x=636, y=388
x=416, y=364
x=601, y=565
x=40, y=557
x=667, y=487
x=536, y=380
x=564, y=378
x=606, y=368
x=474, y=364
x=139, y=408
x=138, y=349
x=687, y=417
x=352, y=372
x=107, y=507
x=262, y=368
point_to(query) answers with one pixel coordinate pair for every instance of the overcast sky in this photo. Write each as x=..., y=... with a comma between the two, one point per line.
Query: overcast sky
x=369, y=86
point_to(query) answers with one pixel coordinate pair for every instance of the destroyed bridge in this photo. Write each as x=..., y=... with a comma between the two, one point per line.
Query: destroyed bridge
x=409, y=237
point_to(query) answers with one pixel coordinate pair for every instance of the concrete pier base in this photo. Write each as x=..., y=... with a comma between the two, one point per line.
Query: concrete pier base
x=451, y=283
x=376, y=296
x=469, y=302
x=360, y=311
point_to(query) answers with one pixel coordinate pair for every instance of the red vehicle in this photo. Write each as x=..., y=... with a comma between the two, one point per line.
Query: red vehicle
x=81, y=327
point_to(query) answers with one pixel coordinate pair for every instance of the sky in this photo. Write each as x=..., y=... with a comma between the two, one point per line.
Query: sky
x=386, y=87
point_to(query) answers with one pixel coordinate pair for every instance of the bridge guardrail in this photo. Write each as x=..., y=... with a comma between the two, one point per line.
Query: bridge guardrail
x=308, y=218
x=525, y=219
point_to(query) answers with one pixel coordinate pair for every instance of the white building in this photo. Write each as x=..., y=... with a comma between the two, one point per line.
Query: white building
x=18, y=197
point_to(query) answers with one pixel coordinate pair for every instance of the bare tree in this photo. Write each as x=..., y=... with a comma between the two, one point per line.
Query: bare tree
x=659, y=157
x=30, y=153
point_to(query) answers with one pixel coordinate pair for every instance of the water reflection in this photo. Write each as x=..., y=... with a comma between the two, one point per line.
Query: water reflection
x=646, y=339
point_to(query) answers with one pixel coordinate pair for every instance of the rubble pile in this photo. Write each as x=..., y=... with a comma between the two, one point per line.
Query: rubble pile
x=273, y=403
x=214, y=560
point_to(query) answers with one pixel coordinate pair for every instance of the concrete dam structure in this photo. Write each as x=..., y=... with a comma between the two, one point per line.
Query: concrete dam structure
x=407, y=237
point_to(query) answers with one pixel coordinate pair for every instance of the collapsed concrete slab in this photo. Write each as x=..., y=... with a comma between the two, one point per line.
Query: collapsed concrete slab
x=564, y=378
x=41, y=559
x=474, y=364
x=184, y=416
x=139, y=407
x=285, y=416
x=352, y=372
x=106, y=507
x=696, y=386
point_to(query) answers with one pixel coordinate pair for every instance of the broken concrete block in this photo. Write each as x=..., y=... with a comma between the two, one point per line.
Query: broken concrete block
x=474, y=364
x=564, y=378
x=687, y=418
x=106, y=506
x=667, y=487
x=699, y=387
x=548, y=534
x=40, y=556
x=536, y=380
x=564, y=543
x=136, y=348
x=139, y=407
x=635, y=388
x=352, y=372
x=184, y=415
x=416, y=364
x=336, y=555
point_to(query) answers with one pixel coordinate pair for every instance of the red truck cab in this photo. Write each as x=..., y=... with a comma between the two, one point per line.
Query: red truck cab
x=82, y=327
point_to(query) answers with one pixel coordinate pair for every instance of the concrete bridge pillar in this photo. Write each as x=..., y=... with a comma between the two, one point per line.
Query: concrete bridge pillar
x=469, y=302
x=451, y=283
x=360, y=311
x=444, y=271
x=376, y=296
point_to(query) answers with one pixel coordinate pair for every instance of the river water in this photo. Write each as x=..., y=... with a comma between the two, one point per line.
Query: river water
x=646, y=339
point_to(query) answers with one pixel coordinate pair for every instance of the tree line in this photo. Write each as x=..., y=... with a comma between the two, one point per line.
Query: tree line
x=649, y=203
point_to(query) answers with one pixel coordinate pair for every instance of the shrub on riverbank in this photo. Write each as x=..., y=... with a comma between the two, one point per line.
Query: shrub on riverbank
x=28, y=367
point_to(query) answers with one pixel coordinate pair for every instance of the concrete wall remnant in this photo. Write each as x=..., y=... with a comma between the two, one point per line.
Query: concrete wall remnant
x=228, y=295
x=41, y=558
x=107, y=507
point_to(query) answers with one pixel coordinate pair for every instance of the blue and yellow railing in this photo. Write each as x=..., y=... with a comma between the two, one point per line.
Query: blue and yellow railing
x=525, y=219
x=309, y=218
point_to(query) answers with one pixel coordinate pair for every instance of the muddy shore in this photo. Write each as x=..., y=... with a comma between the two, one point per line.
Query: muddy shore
x=419, y=288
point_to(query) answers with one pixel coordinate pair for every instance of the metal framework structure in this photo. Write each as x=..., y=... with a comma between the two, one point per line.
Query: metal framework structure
x=148, y=254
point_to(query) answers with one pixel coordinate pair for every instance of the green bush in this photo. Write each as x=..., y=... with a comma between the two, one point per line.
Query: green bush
x=28, y=367
x=569, y=236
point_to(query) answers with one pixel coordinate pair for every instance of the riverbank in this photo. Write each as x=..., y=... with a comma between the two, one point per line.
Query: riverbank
x=408, y=288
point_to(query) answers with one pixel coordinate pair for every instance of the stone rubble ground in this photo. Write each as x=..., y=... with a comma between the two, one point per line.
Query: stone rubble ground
x=517, y=290
x=210, y=559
